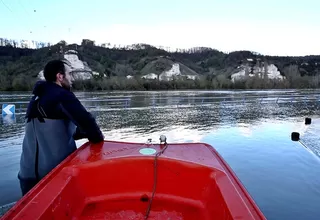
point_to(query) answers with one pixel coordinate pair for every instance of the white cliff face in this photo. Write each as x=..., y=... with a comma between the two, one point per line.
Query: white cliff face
x=169, y=74
x=80, y=69
x=239, y=75
x=74, y=60
x=272, y=72
x=174, y=71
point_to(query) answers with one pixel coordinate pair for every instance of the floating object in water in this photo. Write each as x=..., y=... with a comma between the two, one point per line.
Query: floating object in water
x=121, y=180
x=308, y=121
x=295, y=136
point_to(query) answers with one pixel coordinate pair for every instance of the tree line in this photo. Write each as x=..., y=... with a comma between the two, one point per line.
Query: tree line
x=201, y=83
x=23, y=83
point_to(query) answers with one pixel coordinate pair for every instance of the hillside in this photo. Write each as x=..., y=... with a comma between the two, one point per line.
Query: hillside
x=146, y=67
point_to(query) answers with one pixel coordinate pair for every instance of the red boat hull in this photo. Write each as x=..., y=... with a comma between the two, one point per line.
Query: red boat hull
x=113, y=180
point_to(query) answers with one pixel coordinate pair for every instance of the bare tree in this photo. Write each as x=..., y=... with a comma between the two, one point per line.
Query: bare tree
x=246, y=70
x=265, y=75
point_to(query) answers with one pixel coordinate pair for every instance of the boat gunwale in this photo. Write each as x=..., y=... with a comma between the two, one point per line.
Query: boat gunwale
x=234, y=180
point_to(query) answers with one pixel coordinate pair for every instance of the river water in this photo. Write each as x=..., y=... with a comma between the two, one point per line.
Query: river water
x=250, y=129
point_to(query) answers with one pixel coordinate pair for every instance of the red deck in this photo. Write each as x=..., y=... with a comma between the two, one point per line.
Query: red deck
x=113, y=180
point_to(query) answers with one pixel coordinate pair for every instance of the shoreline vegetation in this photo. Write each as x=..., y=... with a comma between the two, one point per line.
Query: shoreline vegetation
x=117, y=83
x=133, y=84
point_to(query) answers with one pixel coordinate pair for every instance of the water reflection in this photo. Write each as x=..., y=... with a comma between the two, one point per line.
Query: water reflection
x=200, y=117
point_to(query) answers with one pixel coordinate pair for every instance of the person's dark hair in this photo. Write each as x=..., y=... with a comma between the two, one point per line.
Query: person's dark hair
x=52, y=68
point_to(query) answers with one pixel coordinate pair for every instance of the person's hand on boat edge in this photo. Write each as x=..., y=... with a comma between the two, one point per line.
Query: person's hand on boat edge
x=79, y=134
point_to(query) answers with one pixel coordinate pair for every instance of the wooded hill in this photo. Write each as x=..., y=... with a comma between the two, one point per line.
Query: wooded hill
x=19, y=67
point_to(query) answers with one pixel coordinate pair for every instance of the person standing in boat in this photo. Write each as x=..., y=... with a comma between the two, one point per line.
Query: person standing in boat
x=54, y=120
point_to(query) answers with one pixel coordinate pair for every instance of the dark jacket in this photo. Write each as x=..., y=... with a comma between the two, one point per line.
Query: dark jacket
x=52, y=117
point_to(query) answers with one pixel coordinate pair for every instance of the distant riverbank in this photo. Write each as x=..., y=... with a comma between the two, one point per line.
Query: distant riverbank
x=117, y=83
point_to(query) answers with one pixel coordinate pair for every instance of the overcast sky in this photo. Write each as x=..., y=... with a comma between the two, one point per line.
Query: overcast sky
x=269, y=27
